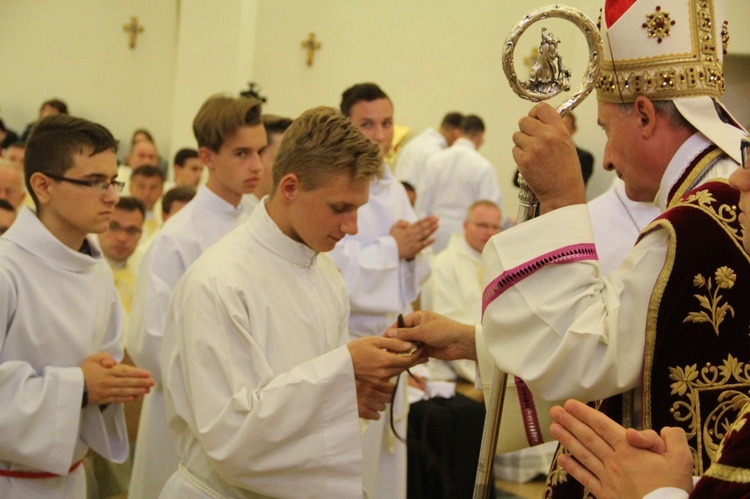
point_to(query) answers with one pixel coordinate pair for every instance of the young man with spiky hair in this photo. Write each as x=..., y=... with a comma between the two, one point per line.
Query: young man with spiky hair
x=231, y=140
x=61, y=320
x=263, y=391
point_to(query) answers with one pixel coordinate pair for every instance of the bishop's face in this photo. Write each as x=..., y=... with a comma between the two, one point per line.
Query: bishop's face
x=623, y=153
x=375, y=120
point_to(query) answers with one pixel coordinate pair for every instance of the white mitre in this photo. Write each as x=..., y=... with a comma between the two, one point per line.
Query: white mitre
x=669, y=50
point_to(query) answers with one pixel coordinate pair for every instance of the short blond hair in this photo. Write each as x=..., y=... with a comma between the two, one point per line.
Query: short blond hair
x=321, y=143
x=222, y=115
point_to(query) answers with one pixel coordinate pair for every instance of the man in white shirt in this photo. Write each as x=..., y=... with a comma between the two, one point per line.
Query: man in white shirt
x=231, y=140
x=61, y=382
x=383, y=266
x=414, y=155
x=263, y=386
x=455, y=178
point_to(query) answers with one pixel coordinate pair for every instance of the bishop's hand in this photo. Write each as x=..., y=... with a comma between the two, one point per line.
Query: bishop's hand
x=546, y=157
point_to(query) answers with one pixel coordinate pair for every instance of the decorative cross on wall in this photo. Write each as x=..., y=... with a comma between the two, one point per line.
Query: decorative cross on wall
x=134, y=29
x=311, y=45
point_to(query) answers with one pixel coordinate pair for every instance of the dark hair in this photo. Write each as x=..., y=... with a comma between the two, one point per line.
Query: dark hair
x=5, y=205
x=2, y=126
x=184, y=155
x=275, y=124
x=408, y=186
x=360, y=92
x=54, y=141
x=452, y=120
x=58, y=104
x=147, y=171
x=129, y=203
x=222, y=115
x=17, y=143
x=471, y=125
x=184, y=194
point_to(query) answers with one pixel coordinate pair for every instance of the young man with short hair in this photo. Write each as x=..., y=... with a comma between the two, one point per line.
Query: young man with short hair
x=60, y=378
x=231, y=140
x=383, y=266
x=147, y=185
x=188, y=168
x=262, y=389
x=174, y=200
x=120, y=241
x=275, y=127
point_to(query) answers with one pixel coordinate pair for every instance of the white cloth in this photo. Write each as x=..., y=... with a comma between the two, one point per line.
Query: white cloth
x=453, y=179
x=178, y=244
x=413, y=157
x=560, y=329
x=616, y=222
x=57, y=307
x=381, y=285
x=454, y=289
x=258, y=380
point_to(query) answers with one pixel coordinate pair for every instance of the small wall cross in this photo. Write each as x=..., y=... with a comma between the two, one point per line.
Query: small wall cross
x=133, y=29
x=311, y=45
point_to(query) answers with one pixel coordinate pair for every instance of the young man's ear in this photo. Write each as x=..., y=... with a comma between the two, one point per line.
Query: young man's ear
x=289, y=186
x=206, y=155
x=41, y=185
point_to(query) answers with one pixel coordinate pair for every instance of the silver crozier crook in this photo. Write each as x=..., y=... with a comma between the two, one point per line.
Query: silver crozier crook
x=548, y=78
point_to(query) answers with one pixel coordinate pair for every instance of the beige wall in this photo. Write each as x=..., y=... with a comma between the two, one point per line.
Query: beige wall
x=77, y=50
x=431, y=56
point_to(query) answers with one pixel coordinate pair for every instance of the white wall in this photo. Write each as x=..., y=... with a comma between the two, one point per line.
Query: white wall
x=77, y=50
x=431, y=56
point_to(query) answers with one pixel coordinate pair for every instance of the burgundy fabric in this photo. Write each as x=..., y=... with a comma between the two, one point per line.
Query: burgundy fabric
x=704, y=245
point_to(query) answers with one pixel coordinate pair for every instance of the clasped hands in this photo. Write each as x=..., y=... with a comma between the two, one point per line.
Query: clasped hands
x=110, y=382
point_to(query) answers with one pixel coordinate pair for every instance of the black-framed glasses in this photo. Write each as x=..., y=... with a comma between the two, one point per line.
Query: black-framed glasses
x=97, y=185
x=745, y=153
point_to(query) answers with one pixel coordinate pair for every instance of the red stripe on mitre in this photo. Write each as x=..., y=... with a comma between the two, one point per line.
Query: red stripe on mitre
x=614, y=9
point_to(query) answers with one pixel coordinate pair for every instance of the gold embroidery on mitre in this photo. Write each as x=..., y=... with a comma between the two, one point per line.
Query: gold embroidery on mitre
x=658, y=24
x=697, y=71
x=689, y=383
x=715, y=311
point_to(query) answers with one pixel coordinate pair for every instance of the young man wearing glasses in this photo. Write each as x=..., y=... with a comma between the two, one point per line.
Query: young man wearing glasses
x=60, y=378
x=231, y=140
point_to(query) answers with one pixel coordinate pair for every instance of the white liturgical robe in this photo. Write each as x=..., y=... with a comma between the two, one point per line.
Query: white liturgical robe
x=560, y=328
x=57, y=307
x=413, y=157
x=381, y=285
x=453, y=179
x=201, y=223
x=616, y=222
x=259, y=382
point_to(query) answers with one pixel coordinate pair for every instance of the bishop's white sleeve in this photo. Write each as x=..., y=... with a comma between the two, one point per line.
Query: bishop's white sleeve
x=160, y=270
x=554, y=321
x=263, y=431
